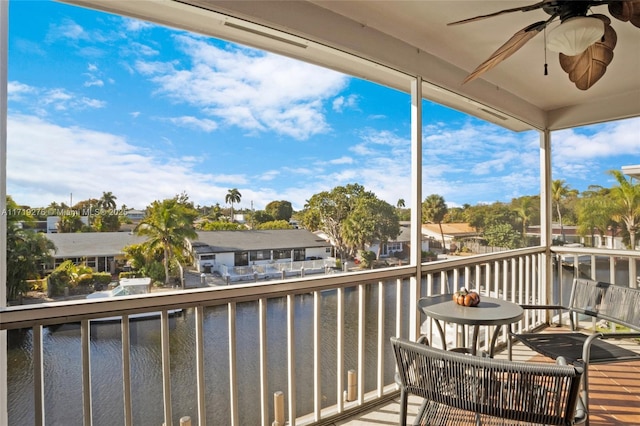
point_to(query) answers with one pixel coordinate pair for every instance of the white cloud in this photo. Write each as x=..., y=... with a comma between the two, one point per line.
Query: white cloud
x=86, y=162
x=135, y=25
x=205, y=125
x=44, y=101
x=595, y=142
x=342, y=160
x=341, y=102
x=249, y=89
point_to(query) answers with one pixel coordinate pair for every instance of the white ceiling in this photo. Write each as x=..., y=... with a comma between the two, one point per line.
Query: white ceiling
x=412, y=38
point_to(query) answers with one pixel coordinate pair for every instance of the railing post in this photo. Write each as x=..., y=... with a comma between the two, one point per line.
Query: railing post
x=352, y=385
x=278, y=409
x=185, y=421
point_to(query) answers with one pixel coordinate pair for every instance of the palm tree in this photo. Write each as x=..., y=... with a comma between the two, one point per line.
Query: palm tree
x=434, y=209
x=233, y=196
x=168, y=225
x=524, y=209
x=559, y=190
x=400, y=204
x=626, y=204
x=108, y=201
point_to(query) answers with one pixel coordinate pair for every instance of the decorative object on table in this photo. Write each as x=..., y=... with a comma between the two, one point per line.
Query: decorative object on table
x=465, y=297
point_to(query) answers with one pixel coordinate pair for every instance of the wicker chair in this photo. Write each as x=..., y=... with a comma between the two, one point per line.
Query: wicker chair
x=461, y=389
x=591, y=299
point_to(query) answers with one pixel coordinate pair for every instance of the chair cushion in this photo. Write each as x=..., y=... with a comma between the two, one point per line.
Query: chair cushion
x=569, y=345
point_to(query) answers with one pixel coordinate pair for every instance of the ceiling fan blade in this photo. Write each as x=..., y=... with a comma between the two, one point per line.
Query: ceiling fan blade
x=626, y=11
x=588, y=67
x=501, y=12
x=518, y=40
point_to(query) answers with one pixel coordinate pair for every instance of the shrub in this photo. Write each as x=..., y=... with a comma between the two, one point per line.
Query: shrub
x=367, y=257
x=102, y=278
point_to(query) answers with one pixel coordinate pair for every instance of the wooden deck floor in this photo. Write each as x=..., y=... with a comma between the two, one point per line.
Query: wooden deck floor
x=614, y=393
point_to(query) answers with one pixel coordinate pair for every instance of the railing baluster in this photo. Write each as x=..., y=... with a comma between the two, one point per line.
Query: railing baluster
x=264, y=384
x=38, y=376
x=201, y=393
x=317, y=389
x=399, y=305
x=381, y=338
x=291, y=358
x=233, y=365
x=86, y=372
x=166, y=366
x=361, y=342
x=126, y=370
x=340, y=348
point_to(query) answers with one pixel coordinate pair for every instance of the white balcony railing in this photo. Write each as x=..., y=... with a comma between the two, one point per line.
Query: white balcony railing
x=303, y=337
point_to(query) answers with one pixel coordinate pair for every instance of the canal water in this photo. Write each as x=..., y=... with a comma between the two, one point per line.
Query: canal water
x=62, y=359
x=62, y=362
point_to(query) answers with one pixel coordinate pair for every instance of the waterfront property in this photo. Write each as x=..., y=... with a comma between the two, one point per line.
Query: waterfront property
x=104, y=251
x=213, y=249
x=289, y=350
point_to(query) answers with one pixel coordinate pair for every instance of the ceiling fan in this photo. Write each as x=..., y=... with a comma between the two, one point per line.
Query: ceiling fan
x=585, y=42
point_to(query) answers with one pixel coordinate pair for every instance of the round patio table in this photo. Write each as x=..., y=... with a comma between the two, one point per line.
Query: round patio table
x=490, y=311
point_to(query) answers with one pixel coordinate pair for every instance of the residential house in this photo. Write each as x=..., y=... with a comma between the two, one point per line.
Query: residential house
x=454, y=234
x=102, y=251
x=256, y=247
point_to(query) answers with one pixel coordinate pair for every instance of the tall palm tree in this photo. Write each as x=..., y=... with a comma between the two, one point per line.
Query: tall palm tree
x=233, y=196
x=626, y=203
x=168, y=225
x=434, y=209
x=108, y=201
x=400, y=204
x=524, y=210
x=560, y=190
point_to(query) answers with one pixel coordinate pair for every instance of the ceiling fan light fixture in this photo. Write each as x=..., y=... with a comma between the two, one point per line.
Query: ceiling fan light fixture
x=574, y=35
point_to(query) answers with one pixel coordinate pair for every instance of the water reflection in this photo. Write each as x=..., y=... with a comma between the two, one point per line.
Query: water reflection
x=62, y=355
x=62, y=359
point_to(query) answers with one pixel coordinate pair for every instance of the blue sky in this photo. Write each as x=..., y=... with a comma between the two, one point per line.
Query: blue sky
x=104, y=103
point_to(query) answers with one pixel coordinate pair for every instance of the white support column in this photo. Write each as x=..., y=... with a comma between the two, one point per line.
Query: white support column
x=416, y=205
x=546, y=275
x=4, y=22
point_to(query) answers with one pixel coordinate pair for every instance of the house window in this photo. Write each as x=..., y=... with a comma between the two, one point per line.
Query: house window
x=208, y=257
x=241, y=258
x=281, y=254
x=260, y=254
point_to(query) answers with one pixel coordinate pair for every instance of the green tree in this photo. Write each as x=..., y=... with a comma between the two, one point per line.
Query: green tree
x=279, y=210
x=221, y=226
x=625, y=199
x=27, y=251
x=501, y=235
x=107, y=201
x=168, y=225
x=484, y=215
x=371, y=219
x=434, y=210
x=328, y=210
x=233, y=197
x=274, y=224
x=106, y=221
x=594, y=213
x=559, y=191
x=69, y=223
x=260, y=216
x=524, y=208
x=400, y=203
